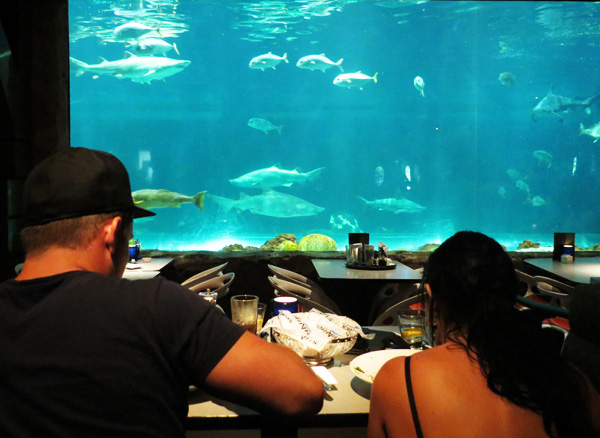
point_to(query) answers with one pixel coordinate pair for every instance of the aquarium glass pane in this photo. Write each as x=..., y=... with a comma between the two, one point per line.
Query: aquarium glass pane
x=409, y=120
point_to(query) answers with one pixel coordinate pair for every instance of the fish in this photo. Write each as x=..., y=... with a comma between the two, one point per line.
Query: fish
x=538, y=201
x=593, y=131
x=379, y=175
x=523, y=186
x=263, y=125
x=545, y=158
x=142, y=69
x=269, y=203
x=354, y=80
x=274, y=177
x=506, y=78
x=513, y=174
x=154, y=46
x=344, y=221
x=267, y=61
x=318, y=62
x=396, y=205
x=419, y=84
x=161, y=198
x=555, y=104
x=133, y=31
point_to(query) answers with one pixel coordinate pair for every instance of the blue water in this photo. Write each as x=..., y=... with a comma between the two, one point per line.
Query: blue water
x=448, y=151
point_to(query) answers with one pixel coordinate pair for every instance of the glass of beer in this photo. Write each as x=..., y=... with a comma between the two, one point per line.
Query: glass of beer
x=244, y=311
x=412, y=325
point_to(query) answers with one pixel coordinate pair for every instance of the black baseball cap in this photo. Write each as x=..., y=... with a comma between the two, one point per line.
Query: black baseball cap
x=77, y=182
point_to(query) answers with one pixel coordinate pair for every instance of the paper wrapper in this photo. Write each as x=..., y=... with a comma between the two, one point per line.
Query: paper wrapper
x=315, y=330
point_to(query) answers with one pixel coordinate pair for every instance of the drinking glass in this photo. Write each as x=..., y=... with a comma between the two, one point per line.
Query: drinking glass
x=260, y=316
x=244, y=311
x=412, y=325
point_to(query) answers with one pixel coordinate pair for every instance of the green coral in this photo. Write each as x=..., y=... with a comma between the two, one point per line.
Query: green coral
x=317, y=242
x=287, y=245
x=283, y=242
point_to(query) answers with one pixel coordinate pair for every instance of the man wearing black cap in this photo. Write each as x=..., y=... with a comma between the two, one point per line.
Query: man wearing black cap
x=86, y=353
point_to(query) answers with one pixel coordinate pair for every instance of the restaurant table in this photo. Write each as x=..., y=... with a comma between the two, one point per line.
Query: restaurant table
x=359, y=292
x=346, y=405
x=335, y=269
x=144, y=270
x=580, y=271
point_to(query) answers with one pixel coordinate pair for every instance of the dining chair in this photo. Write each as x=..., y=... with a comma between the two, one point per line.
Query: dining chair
x=557, y=292
x=317, y=293
x=388, y=316
x=291, y=275
x=303, y=294
x=219, y=284
x=204, y=275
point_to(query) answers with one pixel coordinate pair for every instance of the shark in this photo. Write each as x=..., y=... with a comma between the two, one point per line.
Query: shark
x=274, y=177
x=142, y=69
x=396, y=205
x=269, y=203
x=555, y=104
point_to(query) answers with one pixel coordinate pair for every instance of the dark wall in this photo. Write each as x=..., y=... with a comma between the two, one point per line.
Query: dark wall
x=34, y=104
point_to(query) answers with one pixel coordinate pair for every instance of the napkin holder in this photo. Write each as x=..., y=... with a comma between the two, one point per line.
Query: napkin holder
x=560, y=241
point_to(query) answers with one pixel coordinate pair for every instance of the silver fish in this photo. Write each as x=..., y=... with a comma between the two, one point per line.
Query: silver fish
x=143, y=69
x=263, y=125
x=267, y=60
x=354, y=80
x=269, y=203
x=555, y=104
x=274, y=177
x=318, y=62
x=396, y=205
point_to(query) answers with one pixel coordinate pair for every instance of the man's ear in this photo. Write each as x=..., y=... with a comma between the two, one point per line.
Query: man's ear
x=428, y=289
x=112, y=228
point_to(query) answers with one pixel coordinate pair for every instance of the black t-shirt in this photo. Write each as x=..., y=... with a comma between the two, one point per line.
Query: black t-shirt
x=85, y=355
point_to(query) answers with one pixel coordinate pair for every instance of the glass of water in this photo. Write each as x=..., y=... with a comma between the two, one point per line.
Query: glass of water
x=412, y=325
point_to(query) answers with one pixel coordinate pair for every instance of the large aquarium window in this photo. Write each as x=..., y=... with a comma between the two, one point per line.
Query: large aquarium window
x=239, y=121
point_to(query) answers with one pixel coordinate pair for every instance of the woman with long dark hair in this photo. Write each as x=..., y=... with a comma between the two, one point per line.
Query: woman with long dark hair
x=490, y=373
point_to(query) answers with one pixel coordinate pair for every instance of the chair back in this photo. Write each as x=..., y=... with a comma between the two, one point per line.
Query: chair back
x=527, y=283
x=292, y=276
x=284, y=288
x=388, y=316
x=219, y=284
x=204, y=275
x=556, y=291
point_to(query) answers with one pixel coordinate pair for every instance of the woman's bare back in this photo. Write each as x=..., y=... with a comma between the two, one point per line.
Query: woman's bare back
x=452, y=400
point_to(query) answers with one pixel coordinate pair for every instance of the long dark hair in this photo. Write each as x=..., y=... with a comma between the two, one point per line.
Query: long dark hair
x=473, y=286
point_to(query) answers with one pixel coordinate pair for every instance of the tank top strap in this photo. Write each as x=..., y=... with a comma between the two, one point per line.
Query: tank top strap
x=411, y=398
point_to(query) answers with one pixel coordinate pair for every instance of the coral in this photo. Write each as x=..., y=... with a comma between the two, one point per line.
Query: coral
x=233, y=247
x=596, y=248
x=429, y=247
x=317, y=242
x=283, y=242
x=527, y=244
x=287, y=245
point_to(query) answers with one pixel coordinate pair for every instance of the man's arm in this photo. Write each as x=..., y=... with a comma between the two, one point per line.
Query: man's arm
x=266, y=377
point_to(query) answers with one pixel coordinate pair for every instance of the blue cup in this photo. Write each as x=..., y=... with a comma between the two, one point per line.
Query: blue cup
x=569, y=250
x=285, y=303
x=134, y=253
